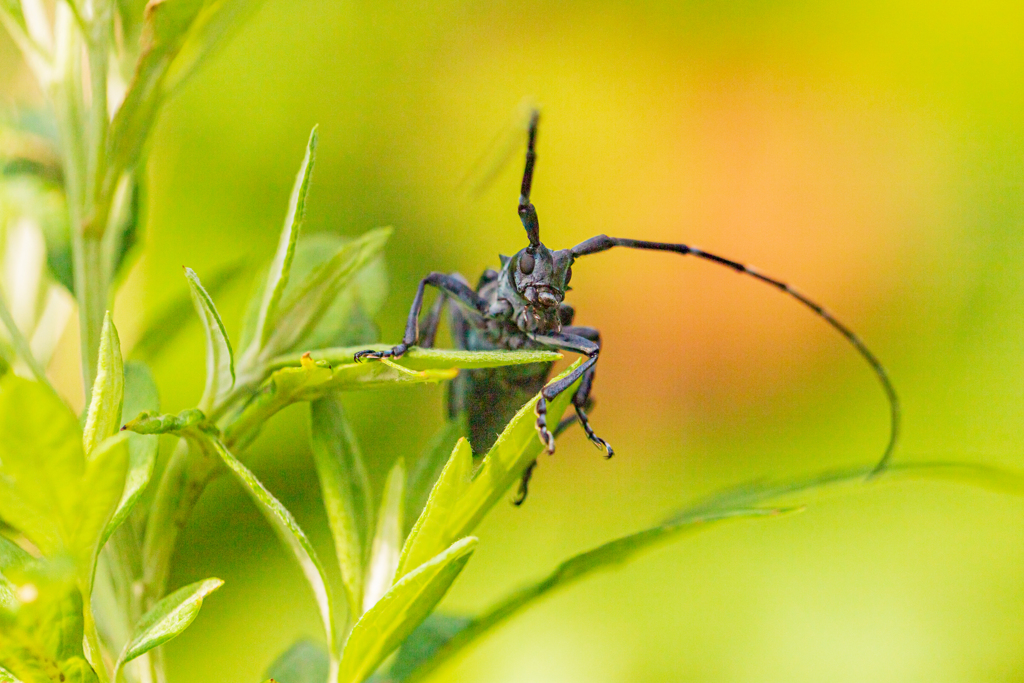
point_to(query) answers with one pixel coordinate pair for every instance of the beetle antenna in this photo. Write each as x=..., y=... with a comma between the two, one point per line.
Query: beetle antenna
x=527, y=213
x=603, y=243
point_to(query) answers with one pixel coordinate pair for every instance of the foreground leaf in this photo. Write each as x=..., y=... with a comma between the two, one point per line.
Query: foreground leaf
x=280, y=267
x=166, y=620
x=345, y=488
x=458, y=502
x=400, y=611
x=313, y=380
x=418, y=358
x=107, y=396
x=423, y=643
x=290, y=534
x=220, y=360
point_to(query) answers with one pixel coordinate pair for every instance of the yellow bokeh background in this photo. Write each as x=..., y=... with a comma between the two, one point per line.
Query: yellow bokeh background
x=871, y=154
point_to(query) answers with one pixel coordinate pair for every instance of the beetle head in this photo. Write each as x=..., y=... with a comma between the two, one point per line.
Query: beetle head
x=535, y=282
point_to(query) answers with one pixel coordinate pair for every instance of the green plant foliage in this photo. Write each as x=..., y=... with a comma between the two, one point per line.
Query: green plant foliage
x=163, y=328
x=430, y=464
x=345, y=489
x=280, y=268
x=167, y=619
x=423, y=644
x=383, y=628
x=104, y=416
x=220, y=360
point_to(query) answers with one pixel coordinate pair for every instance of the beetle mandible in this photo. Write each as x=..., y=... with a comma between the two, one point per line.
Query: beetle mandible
x=522, y=307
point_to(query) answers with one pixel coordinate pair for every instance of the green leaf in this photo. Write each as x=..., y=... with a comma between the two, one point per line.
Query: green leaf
x=602, y=557
x=41, y=463
x=167, y=619
x=290, y=534
x=299, y=312
x=220, y=361
x=418, y=358
x=383, y=628
x=104, y=416
x=431, y=463
x=280, y=267
x=303, y=662
x=313, y=380
x=458, y=502
x=163, y=328
x=387, y=538
x=431, y=529
x=140, y=395
x=12, y=557
x=345, y=488
x=423, y=643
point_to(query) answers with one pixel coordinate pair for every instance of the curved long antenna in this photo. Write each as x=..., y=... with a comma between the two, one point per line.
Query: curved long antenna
x=603, y=243
x=527, y=213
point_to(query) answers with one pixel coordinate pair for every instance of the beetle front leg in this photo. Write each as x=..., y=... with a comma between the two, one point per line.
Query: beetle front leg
x=577, y=343
x=454, y=287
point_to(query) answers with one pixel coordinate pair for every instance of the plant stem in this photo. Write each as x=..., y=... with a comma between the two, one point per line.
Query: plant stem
x=21, y=344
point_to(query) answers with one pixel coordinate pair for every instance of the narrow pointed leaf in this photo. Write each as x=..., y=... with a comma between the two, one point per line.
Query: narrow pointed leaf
x=163, y=327
x=458, y=502
x=104, y=416
x=220, y=361
x=140, y=395
x=400, y=611
x=280, y=267
x=313, y=380
x=387, y=538
x=418, y=358
x=345, y=488
x=289, y=533
x=423, y=643
x=167, y=619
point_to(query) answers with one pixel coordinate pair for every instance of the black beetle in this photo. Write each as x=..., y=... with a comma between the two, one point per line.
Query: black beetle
x=523, y=307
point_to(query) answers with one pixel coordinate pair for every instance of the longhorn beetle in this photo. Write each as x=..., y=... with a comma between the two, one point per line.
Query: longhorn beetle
x=522, y=307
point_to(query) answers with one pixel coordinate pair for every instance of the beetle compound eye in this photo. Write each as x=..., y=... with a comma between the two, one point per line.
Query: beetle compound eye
x=526, y=264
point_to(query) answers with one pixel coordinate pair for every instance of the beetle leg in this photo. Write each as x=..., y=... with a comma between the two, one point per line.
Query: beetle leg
x=454, y=286
x=432, y=321
x=581, y=399
x=577, y=344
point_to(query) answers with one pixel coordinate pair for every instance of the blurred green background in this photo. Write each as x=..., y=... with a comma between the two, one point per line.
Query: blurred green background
x=872, y=154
